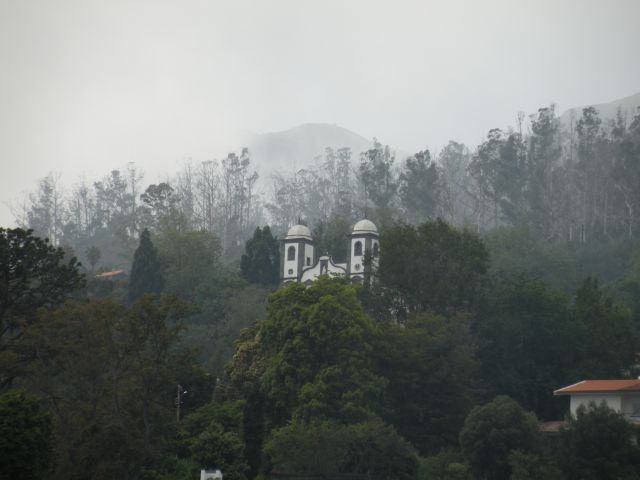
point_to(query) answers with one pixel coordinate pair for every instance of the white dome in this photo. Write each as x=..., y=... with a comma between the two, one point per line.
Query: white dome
x=299, y=231
x=365, y=226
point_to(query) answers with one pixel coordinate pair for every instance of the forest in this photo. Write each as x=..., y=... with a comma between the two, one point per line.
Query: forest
x=144, y=333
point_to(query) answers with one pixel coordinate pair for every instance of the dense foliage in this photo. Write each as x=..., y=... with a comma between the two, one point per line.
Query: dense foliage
x=25, y=437
x=146, y=272
x=504, y=273
x=261, y=261
x=33, y=275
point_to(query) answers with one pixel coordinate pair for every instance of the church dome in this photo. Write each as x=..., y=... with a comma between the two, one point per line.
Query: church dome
x=299, y=231
x=365, y=226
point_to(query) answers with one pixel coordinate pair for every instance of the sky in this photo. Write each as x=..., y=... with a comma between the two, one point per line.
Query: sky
x=87, y=86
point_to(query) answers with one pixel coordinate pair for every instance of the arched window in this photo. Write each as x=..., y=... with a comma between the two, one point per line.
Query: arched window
x=375, y=249
x=291, y=253
x=308, y=261
x=357, y=249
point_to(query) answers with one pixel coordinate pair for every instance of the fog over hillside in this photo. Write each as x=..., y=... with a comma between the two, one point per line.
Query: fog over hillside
x=92, y=86
x=297, y=147
x=627, y=106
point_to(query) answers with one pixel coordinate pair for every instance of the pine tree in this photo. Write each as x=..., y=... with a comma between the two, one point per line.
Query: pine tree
x=261, y=262
x=146, y=272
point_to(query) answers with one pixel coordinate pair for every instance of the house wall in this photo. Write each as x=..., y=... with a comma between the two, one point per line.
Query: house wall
x=628, y=402
x=613, y=401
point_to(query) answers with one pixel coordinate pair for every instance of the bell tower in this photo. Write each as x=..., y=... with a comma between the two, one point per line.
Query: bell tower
x=364, y=237
x=296, y=253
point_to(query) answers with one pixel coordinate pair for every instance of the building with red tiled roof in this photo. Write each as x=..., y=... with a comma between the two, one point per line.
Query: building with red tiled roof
x=620, y=395
x=112, y=275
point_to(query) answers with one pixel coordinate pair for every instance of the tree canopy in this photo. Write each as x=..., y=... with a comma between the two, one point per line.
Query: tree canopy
x=261, y=261
x=33, y=275
x=147, y=274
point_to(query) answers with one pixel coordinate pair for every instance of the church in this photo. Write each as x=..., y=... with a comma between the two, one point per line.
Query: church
x=300, y=262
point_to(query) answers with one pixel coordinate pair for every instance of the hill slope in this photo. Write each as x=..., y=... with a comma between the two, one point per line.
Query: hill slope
x=627, y=105
x=292, y=149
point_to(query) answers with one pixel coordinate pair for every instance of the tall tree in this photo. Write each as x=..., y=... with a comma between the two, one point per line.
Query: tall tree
x=431, y=366
x=33, y=275
x=147, y=275
x=330, y=236
x=93, y=255
x=160, y=210
x=377, y=176
x=610, y=342
x=598, y=444
x=529, y=343
x=433, y=267
x=543, y=190
x=419, y=187
x=492, y=432
x=261, y=261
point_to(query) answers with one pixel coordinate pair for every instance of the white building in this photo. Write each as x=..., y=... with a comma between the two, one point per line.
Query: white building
x=623, y=396
x=301, y=262
x=211, y=474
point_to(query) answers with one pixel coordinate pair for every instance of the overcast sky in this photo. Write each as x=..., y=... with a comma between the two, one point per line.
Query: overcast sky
x=87, y=86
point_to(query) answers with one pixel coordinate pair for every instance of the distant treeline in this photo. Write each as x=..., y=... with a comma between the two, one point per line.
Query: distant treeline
x=577, y=182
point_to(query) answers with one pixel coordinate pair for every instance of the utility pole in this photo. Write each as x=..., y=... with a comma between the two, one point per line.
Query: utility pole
x=178, y=402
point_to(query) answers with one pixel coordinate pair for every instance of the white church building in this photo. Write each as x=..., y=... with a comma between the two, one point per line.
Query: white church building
x=301, y=262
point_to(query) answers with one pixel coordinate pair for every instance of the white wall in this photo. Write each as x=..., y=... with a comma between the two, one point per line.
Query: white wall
x=613, y=401
x=290, y=264
x=356, y=260
x=332, y=269
x=308, y=253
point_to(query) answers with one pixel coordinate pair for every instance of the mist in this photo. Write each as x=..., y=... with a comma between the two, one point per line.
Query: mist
x=92, y=86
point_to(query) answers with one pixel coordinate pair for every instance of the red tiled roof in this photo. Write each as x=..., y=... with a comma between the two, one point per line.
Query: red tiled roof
x=112, y=273
x=600, y=386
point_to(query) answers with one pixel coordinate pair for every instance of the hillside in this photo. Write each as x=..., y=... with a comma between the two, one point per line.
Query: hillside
x=292, y=149
x=627, y=105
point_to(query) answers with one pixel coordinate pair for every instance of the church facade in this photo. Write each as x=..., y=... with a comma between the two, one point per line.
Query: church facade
x=301, y=262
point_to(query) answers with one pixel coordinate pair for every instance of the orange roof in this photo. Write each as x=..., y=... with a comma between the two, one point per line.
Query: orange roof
x=112, y=273
x=600, y=386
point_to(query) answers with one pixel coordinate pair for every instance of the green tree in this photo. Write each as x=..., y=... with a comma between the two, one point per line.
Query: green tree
x=330, y=237
x=377, y=176
x=433, y=267
x=445, y=465
x=598, y=444
x=418, y=187
x=261, y=261
x=626, y=175
x=611, y=342
x=318, y=342
x=111, y=371
x=431, y=367
x=542, y=185
x=160, y=211
x=494, y=430
x=533, y=466
x=25, y=437
x=212, y=436
x=326, y=448
x=146, y=272
x=33, y=275
x=499, y=167
x=191, y=265
x=93, y=255
x=530, y=342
